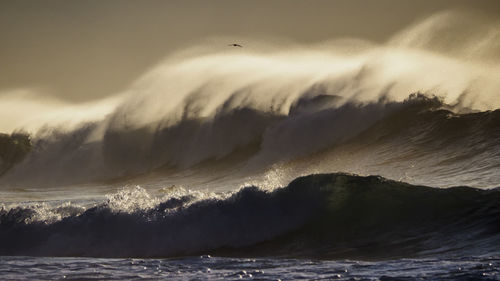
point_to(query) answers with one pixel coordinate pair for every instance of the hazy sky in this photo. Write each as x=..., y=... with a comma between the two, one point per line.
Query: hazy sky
x=82, y=50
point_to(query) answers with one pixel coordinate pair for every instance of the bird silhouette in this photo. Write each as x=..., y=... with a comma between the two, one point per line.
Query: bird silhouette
x=235, y=45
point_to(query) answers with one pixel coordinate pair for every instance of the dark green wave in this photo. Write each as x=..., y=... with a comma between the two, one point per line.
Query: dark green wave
x=13, y=149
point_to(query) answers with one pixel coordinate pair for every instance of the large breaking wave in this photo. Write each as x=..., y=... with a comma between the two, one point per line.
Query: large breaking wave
x=420, y=108
x=419, y=140
x=324, y=215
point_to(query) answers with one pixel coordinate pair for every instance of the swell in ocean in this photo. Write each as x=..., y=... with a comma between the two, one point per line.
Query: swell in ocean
x=205, y=122
x=320, y=216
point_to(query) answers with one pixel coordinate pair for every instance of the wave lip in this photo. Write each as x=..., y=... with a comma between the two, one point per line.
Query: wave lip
x=325, y=215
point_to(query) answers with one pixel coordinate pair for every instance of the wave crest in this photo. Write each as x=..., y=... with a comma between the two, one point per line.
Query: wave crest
x=334, y=215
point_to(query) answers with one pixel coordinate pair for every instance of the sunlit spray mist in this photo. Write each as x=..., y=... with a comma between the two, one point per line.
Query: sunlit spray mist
x=32, y=110
x=268, y=103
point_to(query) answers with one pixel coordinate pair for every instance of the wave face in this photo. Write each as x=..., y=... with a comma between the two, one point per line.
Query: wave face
x=420, y=140
x=13, y=149
x=323, y=215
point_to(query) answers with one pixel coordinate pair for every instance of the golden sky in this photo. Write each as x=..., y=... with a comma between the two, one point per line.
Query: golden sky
x=83, y=50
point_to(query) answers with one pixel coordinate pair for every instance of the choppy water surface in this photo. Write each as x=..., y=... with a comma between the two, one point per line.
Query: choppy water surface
x=217, y=268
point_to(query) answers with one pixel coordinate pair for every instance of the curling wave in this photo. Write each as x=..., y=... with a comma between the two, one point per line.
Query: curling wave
x=324, y=215
x=342, y=105
x=420, y=140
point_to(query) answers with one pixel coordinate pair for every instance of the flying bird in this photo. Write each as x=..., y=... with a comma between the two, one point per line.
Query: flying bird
x=235, y=45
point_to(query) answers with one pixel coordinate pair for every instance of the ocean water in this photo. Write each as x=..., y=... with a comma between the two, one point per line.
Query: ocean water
x=322, y=226
x=349, y=160
x=219, y=268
